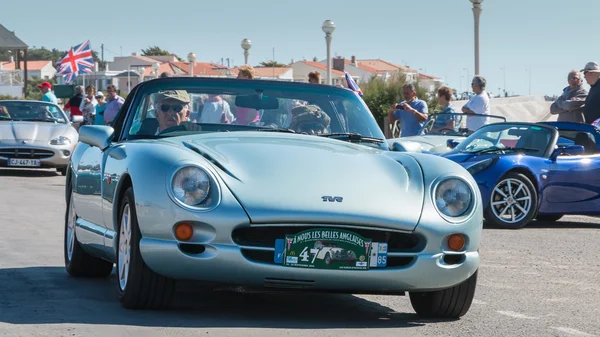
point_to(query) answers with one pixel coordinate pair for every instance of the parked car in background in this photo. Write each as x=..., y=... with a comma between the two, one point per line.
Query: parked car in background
x=439, y=128
x=529, y=171
x=36, y=134
x=307, y=195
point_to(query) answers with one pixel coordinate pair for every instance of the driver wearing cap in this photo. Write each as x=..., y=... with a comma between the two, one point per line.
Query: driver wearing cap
x=172, y=109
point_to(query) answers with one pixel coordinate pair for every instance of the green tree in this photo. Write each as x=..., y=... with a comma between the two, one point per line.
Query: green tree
x=43, y=54
x=273, y=64
x=157, y=51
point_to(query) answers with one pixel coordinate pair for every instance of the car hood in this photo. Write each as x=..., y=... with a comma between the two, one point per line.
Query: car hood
x=430, y=143
x=30, y=132
x=467, y=159
x=281, y=178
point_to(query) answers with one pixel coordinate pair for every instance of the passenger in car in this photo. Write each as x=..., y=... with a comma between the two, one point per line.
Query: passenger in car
x=310, y=120
x=216, y=110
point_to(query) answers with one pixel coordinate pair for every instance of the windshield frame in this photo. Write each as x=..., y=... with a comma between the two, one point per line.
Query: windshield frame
x=506, y=125
x=456, y=134
x=37, y=103
x=137, y=97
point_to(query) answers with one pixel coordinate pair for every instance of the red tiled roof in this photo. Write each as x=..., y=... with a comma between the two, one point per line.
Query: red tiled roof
x=363, y=67
x=429, y=77
x=31, y=65
x=323, y=67
x=270, y=71
x=203, y=68
x=383, y=66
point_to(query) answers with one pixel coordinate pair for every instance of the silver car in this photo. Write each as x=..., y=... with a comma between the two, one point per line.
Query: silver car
x=35, y=134
x=275, y=173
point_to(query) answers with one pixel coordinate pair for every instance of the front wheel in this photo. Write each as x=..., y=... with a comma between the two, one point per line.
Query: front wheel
x=447, y=303
x=78, y=262
x=513, y=202
x=139, y=287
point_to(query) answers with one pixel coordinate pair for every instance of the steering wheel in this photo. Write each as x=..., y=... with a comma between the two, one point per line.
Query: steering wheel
x=446, y=129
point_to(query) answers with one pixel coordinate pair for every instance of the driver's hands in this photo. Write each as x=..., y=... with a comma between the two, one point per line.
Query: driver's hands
x=191, y=126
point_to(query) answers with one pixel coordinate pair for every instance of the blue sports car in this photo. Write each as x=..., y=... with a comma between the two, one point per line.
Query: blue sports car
x=529, y=171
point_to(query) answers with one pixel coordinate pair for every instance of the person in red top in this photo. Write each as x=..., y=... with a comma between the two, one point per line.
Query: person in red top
x=74, y=102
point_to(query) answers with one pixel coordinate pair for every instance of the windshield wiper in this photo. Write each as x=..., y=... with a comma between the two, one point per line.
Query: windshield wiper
x=352, y=136
x=276, y=130
x=496, y=148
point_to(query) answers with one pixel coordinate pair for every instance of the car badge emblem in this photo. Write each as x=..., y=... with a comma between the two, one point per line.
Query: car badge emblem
x=326, y=198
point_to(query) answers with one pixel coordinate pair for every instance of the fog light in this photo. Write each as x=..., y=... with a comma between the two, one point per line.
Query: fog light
x=184, y=231
x=66, y=153
x=456, y=242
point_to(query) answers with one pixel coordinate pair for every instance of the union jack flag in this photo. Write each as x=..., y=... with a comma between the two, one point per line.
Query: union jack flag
x=352, y=85
x=78, y=61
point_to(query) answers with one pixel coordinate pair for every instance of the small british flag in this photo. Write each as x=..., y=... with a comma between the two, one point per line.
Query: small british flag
x=352, y=85
x=79, y=60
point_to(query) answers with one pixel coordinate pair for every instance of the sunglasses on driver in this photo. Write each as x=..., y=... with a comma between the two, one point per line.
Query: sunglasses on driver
x=171, y=107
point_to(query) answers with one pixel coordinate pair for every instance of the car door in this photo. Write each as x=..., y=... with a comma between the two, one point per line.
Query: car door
x=573, y=181
x=88, y=188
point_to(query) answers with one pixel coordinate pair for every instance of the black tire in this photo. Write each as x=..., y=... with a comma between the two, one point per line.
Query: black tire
x=144, y=289
x=497, y=222
x=448, y=303
x=548, y=217
x=81, y=263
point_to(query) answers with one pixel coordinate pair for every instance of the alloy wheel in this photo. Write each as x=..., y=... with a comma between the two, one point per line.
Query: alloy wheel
x=124, y=247
x=511, y=200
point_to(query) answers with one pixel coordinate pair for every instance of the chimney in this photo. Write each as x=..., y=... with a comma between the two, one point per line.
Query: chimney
x=315, y=59
x=134, y=54
x=353, y=60
x=339, y=63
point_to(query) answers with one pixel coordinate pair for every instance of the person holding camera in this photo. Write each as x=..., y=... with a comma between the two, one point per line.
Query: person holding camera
x=411, y=112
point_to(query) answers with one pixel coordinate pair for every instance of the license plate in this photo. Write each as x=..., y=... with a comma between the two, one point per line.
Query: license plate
x=327, y=248
x=24, y=162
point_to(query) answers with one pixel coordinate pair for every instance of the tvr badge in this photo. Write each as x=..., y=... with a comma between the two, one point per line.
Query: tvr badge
x=327, y=198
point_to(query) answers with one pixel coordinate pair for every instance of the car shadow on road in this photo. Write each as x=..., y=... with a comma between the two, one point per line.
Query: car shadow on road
x=47, y=295
x=28, y=173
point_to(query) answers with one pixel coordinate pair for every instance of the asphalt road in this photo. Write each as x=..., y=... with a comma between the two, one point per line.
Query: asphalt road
x=539, y=281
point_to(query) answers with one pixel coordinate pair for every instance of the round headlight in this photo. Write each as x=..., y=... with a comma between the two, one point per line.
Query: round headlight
x=453, y=197
x=191, y=185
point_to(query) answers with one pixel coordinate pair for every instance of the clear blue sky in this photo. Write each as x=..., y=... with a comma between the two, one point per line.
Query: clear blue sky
x=550, y=37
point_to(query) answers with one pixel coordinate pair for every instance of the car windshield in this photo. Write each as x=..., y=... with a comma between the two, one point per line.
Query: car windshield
x=31, y=112
x=507, y=138
x=454, y=124
x=254, y=105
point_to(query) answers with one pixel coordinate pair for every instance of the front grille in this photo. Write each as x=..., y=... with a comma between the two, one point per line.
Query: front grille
x=23, y=153
x=265, y=237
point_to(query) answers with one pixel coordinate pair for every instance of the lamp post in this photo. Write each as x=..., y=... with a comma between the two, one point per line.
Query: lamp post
x=504, y=69
x=156, y=66
x=192, y=58
x=476, y=13
x=328, y=28
x=246, y=45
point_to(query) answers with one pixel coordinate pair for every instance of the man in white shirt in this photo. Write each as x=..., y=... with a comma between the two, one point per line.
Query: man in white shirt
x=478, y=104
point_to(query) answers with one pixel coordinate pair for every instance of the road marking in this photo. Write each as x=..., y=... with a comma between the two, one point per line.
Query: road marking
x=515, y=315
x=572, y=331
x=479, y=302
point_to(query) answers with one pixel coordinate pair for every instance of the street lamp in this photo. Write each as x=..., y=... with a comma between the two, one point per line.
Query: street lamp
x=156, y=66
x=192, y=58
x=504, y=69
x=328, y=28
x=476, y=13
x=246, y=44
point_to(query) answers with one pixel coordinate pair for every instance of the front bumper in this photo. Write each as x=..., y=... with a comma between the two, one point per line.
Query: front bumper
x=48, y=155
x=232, y=265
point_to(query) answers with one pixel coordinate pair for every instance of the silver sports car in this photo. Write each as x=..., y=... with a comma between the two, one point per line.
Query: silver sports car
x=35, y=134
x=244, y=182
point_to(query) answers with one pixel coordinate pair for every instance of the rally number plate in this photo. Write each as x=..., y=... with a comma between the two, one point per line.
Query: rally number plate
x=327, y=248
